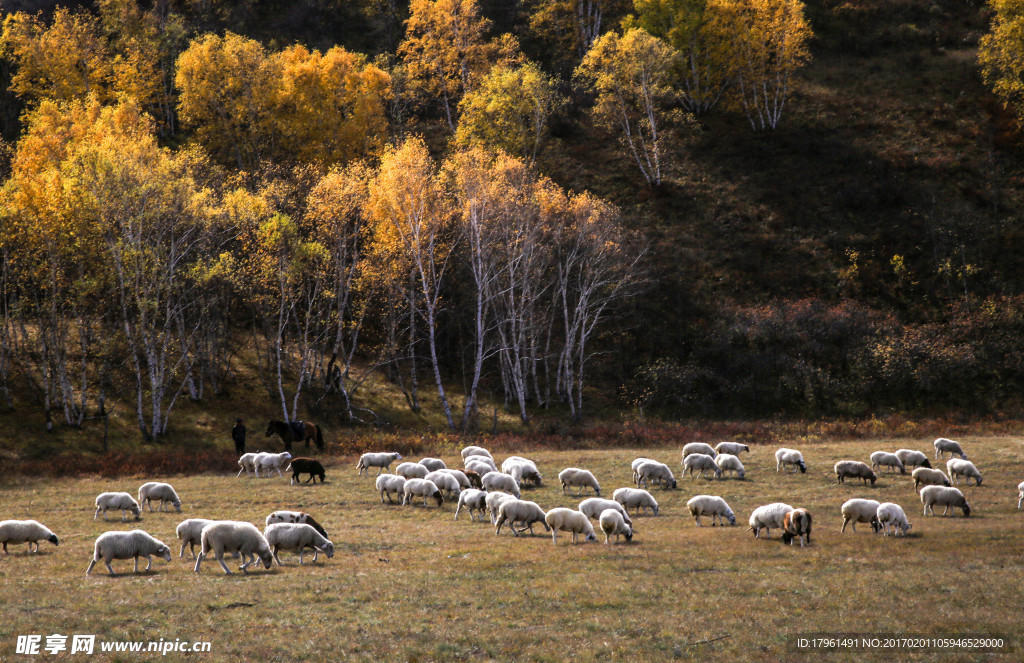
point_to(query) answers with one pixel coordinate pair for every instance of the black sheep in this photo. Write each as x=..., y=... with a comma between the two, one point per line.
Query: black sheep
x=308, y=466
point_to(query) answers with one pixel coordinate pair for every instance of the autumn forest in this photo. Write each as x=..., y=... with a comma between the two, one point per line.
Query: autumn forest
x=569, y=208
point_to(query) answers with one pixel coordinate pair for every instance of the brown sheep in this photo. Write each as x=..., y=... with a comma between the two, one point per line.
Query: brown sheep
x=796, y=524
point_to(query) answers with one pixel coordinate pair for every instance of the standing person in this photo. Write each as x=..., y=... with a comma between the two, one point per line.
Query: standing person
x=238, y=435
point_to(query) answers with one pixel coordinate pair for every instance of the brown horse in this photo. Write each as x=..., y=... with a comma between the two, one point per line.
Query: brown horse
x=289, y=435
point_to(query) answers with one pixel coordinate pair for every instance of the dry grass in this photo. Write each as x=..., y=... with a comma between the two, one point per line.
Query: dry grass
x=412, y=584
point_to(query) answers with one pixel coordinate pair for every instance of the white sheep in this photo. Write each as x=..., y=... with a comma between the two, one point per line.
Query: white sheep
x=636, y=498
x=479, y=467
x=698, y=448
x=784, y=457
x=1020, y=494
x=420, y=488
x=412, y=471
x=459, y=475
x=944, y=444
x=512, y=461
x=25, y=531
x=272, y=463
x=892, y=515
x=637, y=462
x=797, y=525
x=734, y=448
x=230, y=536
x=890, y=460
x=912, y=458
x=929, y=477
x=498, y=481
x=486, y=460
x=567, y=520
x=159, y=491
x=710, y=505
x=295, y=517
x=519, y=511
x=433, y=464
x=127, y=545
x=593, y=506
x=446, y=483
x=655, y=472
x=575, y=476
x=190, y=533
x=494, y=500
x=247, y=462
x=956, y=467
x=944, y=496
x=702, y=463
x=122, y=502
x=855, y=469
x=768, y=516
x=730, y=463
x=473, y=500
x=390, y=483
x=859, y=510
x=475, y=451
x=381, y=461
x=297, y=536
x=522, y=470
x=611, y=522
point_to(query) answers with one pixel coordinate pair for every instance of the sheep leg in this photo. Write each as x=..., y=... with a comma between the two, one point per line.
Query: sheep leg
x=302, y=549
x=220, y=558
x=945, y=510
x=136, y=570
x=109, y=567
x=276, y=558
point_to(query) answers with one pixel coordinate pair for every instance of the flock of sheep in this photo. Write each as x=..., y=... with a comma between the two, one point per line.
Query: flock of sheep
x=481, y=487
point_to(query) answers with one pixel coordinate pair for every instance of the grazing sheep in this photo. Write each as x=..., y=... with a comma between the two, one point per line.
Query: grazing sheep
x=512, y=461
x=494, y=500
x=297, y=536
x=474, y=478
x=574, y=476
x=929, y=477
x=637, y=462
x=122, y=502
x=25, y=531
x=655, y=472
x=855, y=469
x=892, y=461
x=433, y=464
x=159, y=491
x=912, y=458
x=784, y=457
x=295, y=517
x=611, y=522
x=272, y=463
x=127, y=545
x=730, y=463
x=412, y=471
x=310, y=466
x=734, y=448
x=702, y=463
x=710, y=505
x=477, y=460
x=593, y=506
x=567, y=520
x=190, y=533
x=767, y=517
x=636, y=498
x=446, y=483
x=420, y=488
x=519, y=511
x=796, y=524
x=944, y=444
x=892, y=515
x=248, y=463
x=498, y=481
x=944, y=496
x=475, y=451
x=390, y=483
x=382, y=461
x=1020, y=494
x=230, y=536
x=473, y=500
x=522, y=470
x=460, y=477
x=698, y=448
x=478, y=467
x=965, y=468
x=860, y=510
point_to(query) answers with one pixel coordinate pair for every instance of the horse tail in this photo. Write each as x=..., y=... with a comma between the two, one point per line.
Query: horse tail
x=319, y=437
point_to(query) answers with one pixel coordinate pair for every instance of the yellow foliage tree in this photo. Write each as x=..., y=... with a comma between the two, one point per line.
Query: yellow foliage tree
x=509, y=111
x=569, y=28
x=1001, y=54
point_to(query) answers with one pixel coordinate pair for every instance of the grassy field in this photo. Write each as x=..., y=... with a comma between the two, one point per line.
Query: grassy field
x=413, y=584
